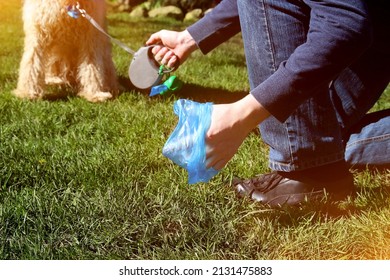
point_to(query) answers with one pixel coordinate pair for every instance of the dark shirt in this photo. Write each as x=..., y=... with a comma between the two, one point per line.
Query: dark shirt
x=340, y=32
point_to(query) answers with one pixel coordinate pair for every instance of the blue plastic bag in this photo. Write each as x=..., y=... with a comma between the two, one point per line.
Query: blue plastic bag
x=186, y=145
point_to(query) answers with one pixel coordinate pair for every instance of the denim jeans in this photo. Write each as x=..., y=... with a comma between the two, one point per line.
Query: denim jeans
x=332, y=125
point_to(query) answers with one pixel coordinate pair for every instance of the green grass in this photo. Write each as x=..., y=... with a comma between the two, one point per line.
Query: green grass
x=88, y=181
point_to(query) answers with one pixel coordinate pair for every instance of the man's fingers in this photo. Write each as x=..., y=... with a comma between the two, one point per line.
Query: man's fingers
x=213, y=160
x=219, y=165
x=154, y=39
x=173, y=62
x=156, y=49
x=161, y=54
x=215, y=163
x=167, y=56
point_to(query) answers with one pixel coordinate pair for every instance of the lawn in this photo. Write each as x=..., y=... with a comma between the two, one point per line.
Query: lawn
x=89, y=181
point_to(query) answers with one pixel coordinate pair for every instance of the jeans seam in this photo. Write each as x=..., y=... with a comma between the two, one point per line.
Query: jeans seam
x=369, y=140
x=289, y=136
x=268, y=32
x=288, y=167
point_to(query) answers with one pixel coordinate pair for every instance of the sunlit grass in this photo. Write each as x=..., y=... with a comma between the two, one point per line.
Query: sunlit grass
x=88, y=181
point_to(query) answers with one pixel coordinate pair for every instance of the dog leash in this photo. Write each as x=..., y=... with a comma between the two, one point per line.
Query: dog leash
x=75, y=12
x=154, y=71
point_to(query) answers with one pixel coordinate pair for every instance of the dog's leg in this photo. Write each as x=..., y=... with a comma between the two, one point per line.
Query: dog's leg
x=91, y=71
x=31, y=73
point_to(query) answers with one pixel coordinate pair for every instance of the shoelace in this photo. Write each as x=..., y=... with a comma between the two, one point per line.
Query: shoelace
x=265, y=182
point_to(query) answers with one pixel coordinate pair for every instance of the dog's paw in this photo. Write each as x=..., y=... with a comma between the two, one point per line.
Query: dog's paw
x=97, y=96
x=23, y=94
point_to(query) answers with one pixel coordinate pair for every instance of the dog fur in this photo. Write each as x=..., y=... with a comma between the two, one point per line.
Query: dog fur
x=59, y=49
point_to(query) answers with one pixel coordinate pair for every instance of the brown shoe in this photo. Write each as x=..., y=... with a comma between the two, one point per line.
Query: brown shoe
x=292, y=188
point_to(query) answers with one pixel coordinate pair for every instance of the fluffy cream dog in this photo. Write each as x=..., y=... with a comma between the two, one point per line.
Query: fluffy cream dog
x=61, y=49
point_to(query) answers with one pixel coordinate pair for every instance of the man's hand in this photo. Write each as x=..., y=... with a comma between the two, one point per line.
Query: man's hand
x=172, y=47
x=230, y=125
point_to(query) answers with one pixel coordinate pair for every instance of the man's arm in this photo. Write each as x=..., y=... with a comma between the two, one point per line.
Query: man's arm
x=207, y=33
x=216, y=27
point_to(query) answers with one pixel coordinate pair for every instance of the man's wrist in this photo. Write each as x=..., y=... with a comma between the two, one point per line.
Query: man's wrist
x=188, y=41
x=252, y=112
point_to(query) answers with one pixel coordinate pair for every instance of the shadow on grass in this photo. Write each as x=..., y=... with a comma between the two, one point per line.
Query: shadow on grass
x=188, y=91
x=215, y=95
x=193, y=92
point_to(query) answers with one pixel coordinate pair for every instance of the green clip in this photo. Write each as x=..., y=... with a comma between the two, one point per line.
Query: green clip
x=161, y=70
x=173, y=83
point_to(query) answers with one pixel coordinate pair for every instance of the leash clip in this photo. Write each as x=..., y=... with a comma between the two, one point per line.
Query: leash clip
x=75, y=11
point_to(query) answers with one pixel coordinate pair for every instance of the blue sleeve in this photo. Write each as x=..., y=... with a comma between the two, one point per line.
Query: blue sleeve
x=216, y=27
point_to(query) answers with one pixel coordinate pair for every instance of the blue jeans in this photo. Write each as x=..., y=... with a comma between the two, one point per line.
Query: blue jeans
x=332, y=126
